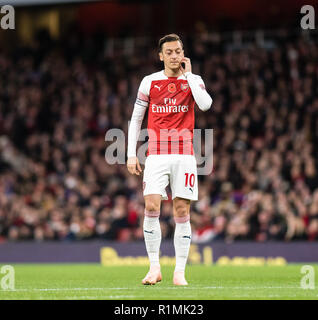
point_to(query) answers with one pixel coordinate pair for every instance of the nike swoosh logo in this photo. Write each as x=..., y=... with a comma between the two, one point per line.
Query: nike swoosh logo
x=187, y=237
x=149, y=231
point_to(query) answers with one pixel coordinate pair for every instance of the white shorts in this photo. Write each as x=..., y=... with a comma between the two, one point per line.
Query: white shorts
x=178, y=169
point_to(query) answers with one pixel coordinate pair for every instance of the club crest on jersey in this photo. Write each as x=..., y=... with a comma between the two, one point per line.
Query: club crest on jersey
x=184, y=87
x=172, y=87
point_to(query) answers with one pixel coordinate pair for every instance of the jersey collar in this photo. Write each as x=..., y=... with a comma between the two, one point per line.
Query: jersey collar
x=182, y=77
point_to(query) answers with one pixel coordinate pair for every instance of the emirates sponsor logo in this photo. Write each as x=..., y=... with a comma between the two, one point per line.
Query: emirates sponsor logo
x=169, y=108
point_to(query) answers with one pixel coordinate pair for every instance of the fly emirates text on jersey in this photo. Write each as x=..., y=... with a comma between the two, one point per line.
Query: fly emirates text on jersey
x=169, y=106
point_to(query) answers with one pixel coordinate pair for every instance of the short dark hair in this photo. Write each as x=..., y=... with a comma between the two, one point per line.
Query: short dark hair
x=169, y=38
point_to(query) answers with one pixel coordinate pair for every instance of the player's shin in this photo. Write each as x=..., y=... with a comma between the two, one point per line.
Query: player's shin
x=152, y=235
x=182, y=241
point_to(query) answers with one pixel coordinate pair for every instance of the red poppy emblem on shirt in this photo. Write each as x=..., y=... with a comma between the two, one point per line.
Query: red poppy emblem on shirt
x=172, y=88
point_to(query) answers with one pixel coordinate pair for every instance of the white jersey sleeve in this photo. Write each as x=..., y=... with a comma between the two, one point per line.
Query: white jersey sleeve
x=200, y=95
x=137, y=117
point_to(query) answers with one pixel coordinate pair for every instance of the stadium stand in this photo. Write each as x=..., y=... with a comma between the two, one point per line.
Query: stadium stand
x=57, y=101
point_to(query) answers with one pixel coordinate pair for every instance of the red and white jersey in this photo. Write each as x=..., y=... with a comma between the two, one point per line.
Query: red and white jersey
x=170, y=113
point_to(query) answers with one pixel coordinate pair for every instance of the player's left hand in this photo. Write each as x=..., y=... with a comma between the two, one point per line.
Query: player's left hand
x=187, y=65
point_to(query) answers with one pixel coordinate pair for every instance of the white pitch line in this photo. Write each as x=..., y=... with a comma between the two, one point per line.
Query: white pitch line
x=253, y=288
x=158, y=286
x=98, y=297
x=62, y=289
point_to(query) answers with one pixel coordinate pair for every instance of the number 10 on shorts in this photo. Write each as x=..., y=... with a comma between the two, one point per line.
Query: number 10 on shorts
x=189, y=180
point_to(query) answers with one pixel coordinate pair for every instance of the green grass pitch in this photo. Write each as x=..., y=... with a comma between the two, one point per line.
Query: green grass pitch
x=93, y=281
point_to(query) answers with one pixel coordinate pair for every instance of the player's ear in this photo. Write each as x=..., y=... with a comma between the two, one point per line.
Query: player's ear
x=160, y=56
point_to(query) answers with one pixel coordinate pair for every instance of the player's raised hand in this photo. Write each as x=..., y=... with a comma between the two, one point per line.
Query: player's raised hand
x=133, y=166
x=187, y=65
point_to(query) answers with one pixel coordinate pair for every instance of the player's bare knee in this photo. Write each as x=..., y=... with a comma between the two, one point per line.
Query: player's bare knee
x=181, y=207
x=181, y=211
x=152, y=206
x=152, y=203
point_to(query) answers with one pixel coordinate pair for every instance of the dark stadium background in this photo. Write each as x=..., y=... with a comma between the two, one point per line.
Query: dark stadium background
x=70, y=72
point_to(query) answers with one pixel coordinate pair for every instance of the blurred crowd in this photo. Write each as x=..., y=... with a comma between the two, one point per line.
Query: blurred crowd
x=57, y=101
